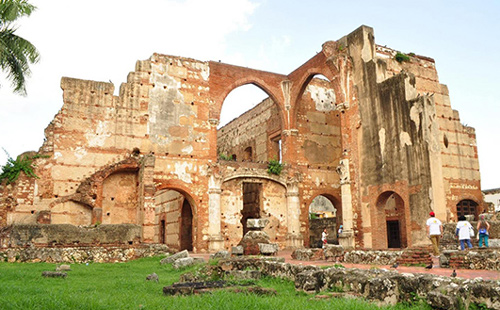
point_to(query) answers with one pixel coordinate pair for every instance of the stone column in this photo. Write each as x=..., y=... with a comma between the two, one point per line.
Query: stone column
x=147, y=214
x=346, y=239
x=215, y=239
x=294, y=238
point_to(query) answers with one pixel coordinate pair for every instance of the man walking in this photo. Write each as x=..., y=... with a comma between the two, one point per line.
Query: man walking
x=434, y=230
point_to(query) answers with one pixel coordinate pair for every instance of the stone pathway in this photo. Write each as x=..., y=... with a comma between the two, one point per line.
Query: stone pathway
x=461, y=273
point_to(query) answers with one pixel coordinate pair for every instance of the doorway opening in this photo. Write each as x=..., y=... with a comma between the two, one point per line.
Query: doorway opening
x=393, y=235
x=251, y=203
x=175, y=219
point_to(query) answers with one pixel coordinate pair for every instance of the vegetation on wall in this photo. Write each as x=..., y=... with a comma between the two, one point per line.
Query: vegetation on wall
x=223, y=156
x=13, y=167
x=274, y=167
x=400, y=57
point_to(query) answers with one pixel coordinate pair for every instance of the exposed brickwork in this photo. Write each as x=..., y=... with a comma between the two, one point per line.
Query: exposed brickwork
x=378, y=131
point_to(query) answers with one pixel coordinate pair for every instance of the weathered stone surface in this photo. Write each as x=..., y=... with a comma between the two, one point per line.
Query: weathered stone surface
x=372, y=257
x=188, y=288
x=199, y=260
x=152, y=277
x=237, y=250
x=183, y=262
x=243, y=274
x=72, y=235
x=172, y=258
x=82, y=254
x=268, y=248
x=112, y=158
x=333, y=252
x=251, y=240
x=220, y=254
x=54, y=274
x=63, y=267
x=308, y=254
x=257, y=224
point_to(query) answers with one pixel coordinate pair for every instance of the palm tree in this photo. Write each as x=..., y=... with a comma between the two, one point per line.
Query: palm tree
x=16, y=53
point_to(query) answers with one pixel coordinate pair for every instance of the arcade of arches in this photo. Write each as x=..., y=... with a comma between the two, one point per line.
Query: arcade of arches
x=377, y=139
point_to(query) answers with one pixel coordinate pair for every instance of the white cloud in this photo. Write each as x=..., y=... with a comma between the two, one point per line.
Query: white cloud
x=102, y=40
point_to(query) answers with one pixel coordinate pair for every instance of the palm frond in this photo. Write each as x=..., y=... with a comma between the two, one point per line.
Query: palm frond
x=10, y=10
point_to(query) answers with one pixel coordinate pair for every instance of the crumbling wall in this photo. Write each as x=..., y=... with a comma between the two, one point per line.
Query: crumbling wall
x=70, y=235
x=120, y=198
x=318, y=125
x=257, y=129
x=272, y=207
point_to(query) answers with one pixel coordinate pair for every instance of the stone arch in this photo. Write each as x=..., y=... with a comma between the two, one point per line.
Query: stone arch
x=176, y=214
x=316, y=225
x=390, y=227
x=224, y=78
x=318, y=65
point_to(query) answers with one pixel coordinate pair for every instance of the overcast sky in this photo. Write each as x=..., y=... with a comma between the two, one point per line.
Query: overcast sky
x=102, y=39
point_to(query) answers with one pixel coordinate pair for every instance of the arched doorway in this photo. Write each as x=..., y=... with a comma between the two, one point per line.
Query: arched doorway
x=467, y=207
x=186, y=227
x=392, y=222
x=325, y=212
x=175, y=219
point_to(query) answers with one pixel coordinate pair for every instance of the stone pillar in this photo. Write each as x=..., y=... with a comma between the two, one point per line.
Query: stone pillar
x=147, y=214
x=346, y=239
x=215, y=239
x=294, y=238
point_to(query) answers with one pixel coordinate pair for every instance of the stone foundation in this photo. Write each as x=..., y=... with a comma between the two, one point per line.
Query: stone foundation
x=65, y=235
x=381, y=286
x=82, y=254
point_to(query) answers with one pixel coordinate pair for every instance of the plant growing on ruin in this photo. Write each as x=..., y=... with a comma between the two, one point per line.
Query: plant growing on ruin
x=400, y=57
x=12, y=169
x=225, y=157
x=274, y=167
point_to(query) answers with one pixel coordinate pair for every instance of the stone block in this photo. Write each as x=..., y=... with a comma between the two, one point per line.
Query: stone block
x=172, y=258
x=183, y=262
x=222, y=254
x=54, y=274
x=152, y=277
x=237, y=250
x=257, y=224
x=244, y=274
x=63, y=267
x=268, y=248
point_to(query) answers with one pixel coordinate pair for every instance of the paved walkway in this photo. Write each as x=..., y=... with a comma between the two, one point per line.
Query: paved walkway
x=461, y=273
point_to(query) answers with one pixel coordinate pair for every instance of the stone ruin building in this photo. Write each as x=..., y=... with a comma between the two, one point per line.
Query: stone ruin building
x=377, y=138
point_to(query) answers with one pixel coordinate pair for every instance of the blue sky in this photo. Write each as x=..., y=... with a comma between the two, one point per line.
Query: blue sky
x=102, y=39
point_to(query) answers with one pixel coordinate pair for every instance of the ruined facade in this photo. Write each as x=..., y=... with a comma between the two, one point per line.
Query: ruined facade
x=378, y=139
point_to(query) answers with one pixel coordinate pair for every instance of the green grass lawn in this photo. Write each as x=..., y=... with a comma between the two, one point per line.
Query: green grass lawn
x=124, y=286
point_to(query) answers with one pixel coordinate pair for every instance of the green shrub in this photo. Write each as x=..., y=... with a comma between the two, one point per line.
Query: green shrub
x=274, y=167
x=400, y=57
x=225, y=157
x=12, y=169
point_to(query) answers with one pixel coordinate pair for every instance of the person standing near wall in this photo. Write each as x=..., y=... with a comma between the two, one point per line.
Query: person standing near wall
x=464, y=231
x=324, y=235
x=434, y=231
x=483, y=228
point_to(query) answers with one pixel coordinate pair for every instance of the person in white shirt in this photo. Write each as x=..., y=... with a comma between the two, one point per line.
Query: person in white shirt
x=435, y=231
x=463, y=232
x=324, y=235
